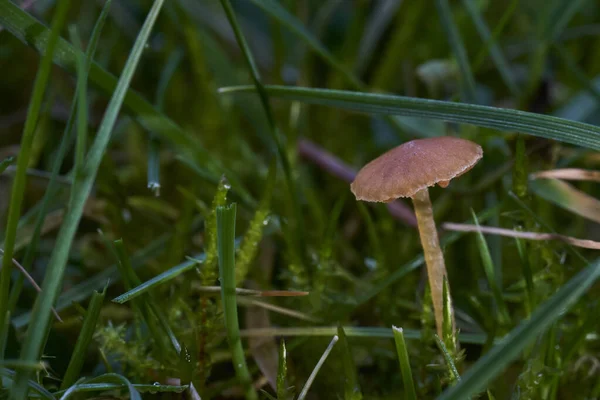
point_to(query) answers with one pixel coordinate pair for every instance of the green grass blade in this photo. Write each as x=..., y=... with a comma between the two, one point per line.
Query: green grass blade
x=354, y=331
x=544, y=126
x=452, y=371
x=282, y=372
x=32, y=347
x=489, y=270
x=82, y=102
x=489, y=41
x=83, y=340
x=403, y=360
x=7, y=162
x=317, y=368
x=110, y=378
x=458, y=49
x=351, y=385
x=20, y=179
x=493, y=363
x=567, y=197
x=226, y=246
x=141, y=388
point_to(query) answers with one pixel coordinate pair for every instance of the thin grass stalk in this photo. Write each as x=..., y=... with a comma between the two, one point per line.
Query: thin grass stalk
x=317, y=368
x=32, y=346
x=226, y=248
x=403, y=360
x=83, y=340
x=20, y=180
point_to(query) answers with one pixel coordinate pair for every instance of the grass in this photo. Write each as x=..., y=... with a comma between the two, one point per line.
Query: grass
x=158, y=186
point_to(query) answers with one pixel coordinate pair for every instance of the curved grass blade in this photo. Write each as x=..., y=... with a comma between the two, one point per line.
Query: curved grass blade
x=141, y=388
x=103, y=379
x=568, y=197
x=32, y=347
x=25, y=148
x=226, y=245
x=502, y=119
x=494, y=362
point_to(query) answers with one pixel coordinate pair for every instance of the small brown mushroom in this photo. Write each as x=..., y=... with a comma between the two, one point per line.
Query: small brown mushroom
x=408, y=171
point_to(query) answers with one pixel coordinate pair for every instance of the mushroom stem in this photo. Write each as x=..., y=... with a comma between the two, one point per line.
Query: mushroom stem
x=434, y=259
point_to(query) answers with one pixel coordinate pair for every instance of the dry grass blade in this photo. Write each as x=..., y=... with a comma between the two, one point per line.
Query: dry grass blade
x=32, y=281
x=584, y=243
x=569, y=174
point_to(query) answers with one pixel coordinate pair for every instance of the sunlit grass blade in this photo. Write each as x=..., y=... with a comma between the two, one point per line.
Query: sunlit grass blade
x=32, y=346
x=489, y=41
x=317, y=368
x=458, y=49
x=489, y=270
x=568, y=197
x=83, y=340
x=500, y=356
x=226, y=248
x=502, y=119
x=448, y=322
x=354, y=331
x=403, y=360
x=351, y=385
x=20, y=179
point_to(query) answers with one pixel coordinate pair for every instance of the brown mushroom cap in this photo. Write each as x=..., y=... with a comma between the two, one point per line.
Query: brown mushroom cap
x=415, y=165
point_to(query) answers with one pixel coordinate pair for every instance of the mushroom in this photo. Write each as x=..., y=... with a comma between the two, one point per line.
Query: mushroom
x=408, y=171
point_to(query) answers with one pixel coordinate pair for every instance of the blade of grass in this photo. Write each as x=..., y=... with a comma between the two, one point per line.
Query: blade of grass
x=354, y=331
x=544, y=126
x=403, y=360
x=458, y=49
x=226, y=246
x=7, y=162
x=153, y=143
x=19, y=182
x=351, y=386
x=452, y=371
x=83, y=340
x=493, y=363
x=315, y=371
x=567, y=197
x=141, y=388
x=489, y=270
x=33, y=343
x=282, y=372
x=106, y=378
